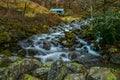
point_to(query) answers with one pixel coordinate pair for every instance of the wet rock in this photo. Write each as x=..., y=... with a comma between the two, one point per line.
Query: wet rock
x=58, y=71
x=74, y=54
x=28, y=77
x=18, y=68
x=89, y=61
x=79, y=76
x=115, y=59
x=46, y=46
x=65, y=43
x=78, y=45
x=41, y=73
x=32, y=52
x=99, y=73
x=22, y=53
x=55, y=43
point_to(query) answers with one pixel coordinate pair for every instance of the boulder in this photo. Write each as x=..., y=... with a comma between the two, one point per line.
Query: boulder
x=75, y=67
x=46, y=45
x=99, y=73
x=15, y=70
x=41, y=73
x=58, y=71
x=47, y=64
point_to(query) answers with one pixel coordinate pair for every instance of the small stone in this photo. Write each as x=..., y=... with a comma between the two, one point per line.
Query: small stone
x=115, y=59
x=46, y=46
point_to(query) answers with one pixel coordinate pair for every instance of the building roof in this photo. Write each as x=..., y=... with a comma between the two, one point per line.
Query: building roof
x=56, y=9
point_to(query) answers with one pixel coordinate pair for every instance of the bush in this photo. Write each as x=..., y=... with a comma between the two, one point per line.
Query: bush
x=107, y=27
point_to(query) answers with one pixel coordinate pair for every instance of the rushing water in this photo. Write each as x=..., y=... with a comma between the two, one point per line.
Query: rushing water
x=47, y=47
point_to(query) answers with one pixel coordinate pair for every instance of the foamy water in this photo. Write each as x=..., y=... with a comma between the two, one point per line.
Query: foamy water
x=55, y=50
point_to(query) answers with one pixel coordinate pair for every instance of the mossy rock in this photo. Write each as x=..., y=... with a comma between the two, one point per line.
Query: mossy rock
x=6, y=52
x=15, y=70
x=70, y=36
x=75, y=77
x=29, y=77
x=115, y=58
x=69, y=39
x=99, y=73
x=77, y=68
x=58, y=71
x=41, y=73
x=47, y=64
x=4, y=36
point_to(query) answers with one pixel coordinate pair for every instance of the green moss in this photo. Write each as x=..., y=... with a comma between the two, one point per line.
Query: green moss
x=70, y=37
x=6, y=52
x=29, y=77
x=4, y=36
x=78, y=67
x=111, y=76
x=6, y=72
x=47, y=64
x=11, y=78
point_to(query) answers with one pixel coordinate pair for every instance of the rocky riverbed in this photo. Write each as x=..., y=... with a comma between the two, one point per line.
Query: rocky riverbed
x=62, y=54
x=62, y=43
x=16, y=68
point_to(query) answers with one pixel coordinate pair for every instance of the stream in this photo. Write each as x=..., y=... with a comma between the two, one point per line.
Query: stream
x=48, y=47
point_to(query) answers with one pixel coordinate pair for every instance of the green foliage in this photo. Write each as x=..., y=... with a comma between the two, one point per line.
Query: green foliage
x=107, y=27
x=6, y=52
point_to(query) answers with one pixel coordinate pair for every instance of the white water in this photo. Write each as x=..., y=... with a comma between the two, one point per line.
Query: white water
x=56, y=50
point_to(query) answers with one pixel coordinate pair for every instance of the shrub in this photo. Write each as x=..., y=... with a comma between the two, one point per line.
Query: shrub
x=107, y=27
